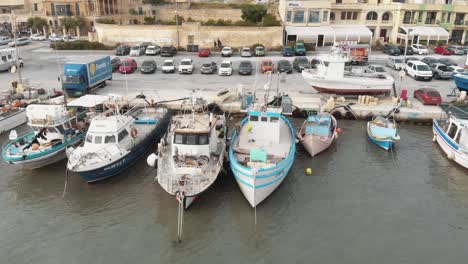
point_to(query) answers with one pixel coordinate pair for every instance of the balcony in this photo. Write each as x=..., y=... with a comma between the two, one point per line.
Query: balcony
x=430, y=21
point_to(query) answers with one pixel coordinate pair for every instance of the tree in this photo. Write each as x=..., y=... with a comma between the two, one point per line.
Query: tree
x=71, y=22
x=253, y=13
x=37, y=23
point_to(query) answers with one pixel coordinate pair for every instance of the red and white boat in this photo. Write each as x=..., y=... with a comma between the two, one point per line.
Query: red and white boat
x=330, y=77
x=317, y=133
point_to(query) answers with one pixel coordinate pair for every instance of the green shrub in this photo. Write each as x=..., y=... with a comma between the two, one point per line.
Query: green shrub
x=80, y=45
x=271, y=21
x=150, y=20
x=253, y=13
x=105, y=21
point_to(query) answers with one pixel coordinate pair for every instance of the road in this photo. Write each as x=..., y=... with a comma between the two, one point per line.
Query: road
x=43, y=66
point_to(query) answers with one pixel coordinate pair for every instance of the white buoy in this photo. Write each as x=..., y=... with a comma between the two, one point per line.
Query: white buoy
x=13, y=135
x=450, y=156
x=434, y=138
x=151, y=160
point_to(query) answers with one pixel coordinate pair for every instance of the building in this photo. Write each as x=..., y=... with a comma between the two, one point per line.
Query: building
x=322, y=22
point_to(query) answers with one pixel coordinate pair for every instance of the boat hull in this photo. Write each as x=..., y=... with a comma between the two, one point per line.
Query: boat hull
x=461, y=81
x=383, y=143
x=315, y=144
x=13, y=121
x=115, y=167
x=259, y=184
x=449, y=146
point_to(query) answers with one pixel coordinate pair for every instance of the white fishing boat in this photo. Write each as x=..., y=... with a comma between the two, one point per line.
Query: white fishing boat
x=452, y=136
x=191, y=155
x=55, y=127
x=330, y=77
x=116, y=141
x=317, y=133
x=11, y=118
x=262, y=153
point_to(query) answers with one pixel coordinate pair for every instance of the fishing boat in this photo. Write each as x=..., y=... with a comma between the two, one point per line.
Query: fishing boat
x=55, y=127
x=382, y=132
x=115, y=141
x=452, y=136
x=330, y=77
x=317, y=133
x=262, y=153
x=461, y=81
x=11, y=117
x=191, y=155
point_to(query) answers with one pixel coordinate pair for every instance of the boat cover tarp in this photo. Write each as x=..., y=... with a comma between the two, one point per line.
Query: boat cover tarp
x=257, y=154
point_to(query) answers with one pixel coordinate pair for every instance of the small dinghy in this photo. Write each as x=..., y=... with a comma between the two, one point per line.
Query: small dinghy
x=382, y=132
x=317, y=133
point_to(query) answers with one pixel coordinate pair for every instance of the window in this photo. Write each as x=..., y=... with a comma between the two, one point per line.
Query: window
x=4, y=58
x=420, y=16
x=35, y=7
x=52, y=9
x=332, y=16
x=298, y=17
x=109, y=139
x=274, y=119
x=191, y=139
x=448, y=2
x=371, y=16
x=431, y=17
x=288, y=16
x=339, y=1
x=77, y=9
x=343, y=15
x=253, y=118
x=452, y=130
x=459, y=18
x=348, y=15
x=10, y=57
x=89, y=138
x=314, y=16
x=449, y=17
x=98, y=139
x=386, y=16
x=407, y=17
x=140, y=11
x=355, y=15
x=179, y=139
x=325, y=16
x=264, y=119
x=203, y=139
x=122, y=134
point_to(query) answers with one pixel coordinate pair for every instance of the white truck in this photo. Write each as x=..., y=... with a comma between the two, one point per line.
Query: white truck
x=8, y=59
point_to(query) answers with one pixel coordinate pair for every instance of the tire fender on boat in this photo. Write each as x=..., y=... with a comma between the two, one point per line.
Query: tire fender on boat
x=451, y=156
x=134, y=132
x=152, y=160
x=434, y=138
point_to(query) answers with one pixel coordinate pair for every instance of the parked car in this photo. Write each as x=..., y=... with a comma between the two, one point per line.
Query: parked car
x=55, y=37
x=429, y=60
x=246, y=52
x=418, y=70
x=225, y=68
x=419, y=49
x=137, y=51
x=122, y=50
x=69, y=38
x=455, y=69
x=411, y=59
x=168, y=51
x=204, y=52
x=299, y=49
x=301, y=63
x=168, y=66
x=245, y=68
x=428, y=96
x=457, y=50
x=447, y=62
x=441, y=71
x=115, y=62
x=38, y=37
x=267, y=66
x=391, y=50
x=148, y=66
x=20, y=42
x=226, y=52
x=129, y=65
x=409, y=50
x=443, y=50
x=287, y=51
x=186, y=66
x=152, y=50
x=259, y=51
x=284, y=66
x=395, y=63
x=209, y=68
x=146, y=45
x=4, y=40
x=375, y=70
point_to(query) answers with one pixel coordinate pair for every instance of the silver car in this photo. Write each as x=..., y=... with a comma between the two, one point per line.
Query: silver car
x=20, y=42
x=458, y=50
x=4, y=40
x=395, y=63
x=246, y=52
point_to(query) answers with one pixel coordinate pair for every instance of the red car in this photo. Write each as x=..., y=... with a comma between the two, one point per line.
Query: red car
x=444, y=50
x=204, y=52
x=428, y=96
x=267, y=65
x=129, y=65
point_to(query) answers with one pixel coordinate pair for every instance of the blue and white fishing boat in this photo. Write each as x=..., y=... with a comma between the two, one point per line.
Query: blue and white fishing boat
x=461, y=81
x=382, y=132
x=115, y=142
x=55, y=127
x=262, y=153
x=452, y=136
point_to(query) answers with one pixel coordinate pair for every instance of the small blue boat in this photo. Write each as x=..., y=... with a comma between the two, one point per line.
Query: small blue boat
x=382, y=132
x=461, y=81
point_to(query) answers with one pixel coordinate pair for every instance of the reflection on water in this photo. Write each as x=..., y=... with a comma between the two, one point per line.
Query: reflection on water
x=360, y=205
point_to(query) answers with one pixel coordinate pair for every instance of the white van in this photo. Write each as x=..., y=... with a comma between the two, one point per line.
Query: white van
x=4, y=40
x=8, y=59
x=418, y=70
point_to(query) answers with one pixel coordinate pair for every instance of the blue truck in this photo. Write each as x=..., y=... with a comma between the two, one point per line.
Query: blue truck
x=81, y=77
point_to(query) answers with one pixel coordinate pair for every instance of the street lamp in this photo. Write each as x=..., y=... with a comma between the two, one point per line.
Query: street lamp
x=14, y=28
x=406, y=43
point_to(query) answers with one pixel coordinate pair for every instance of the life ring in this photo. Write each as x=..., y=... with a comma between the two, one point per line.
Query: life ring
x=134, y=132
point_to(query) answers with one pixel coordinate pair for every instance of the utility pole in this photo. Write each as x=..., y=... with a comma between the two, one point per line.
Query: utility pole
x=14, y=28
x=177, y=24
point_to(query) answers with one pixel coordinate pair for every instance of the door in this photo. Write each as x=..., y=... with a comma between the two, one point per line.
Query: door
x=320, y=40
x=383, y=33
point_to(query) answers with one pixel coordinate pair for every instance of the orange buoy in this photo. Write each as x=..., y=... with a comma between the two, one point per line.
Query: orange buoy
x=35, y=146
x=338, y=130
x=134, y=132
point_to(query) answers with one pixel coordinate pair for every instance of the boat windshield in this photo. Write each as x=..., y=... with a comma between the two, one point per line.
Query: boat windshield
x=73, y=79
x=191, y=139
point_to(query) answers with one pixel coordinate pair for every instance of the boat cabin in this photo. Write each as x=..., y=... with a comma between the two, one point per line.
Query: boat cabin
x=109, y=130
x=319, y=125
x=457, y=130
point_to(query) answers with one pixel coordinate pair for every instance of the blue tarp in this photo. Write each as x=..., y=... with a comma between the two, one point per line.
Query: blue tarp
x=258, y=155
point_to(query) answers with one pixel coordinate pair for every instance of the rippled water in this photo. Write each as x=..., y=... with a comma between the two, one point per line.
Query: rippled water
x=361, y=205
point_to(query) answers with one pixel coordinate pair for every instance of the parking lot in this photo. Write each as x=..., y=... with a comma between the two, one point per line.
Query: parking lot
x=43, y=66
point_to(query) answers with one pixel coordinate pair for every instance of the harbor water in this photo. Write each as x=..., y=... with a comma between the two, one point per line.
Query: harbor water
x=360, y=205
